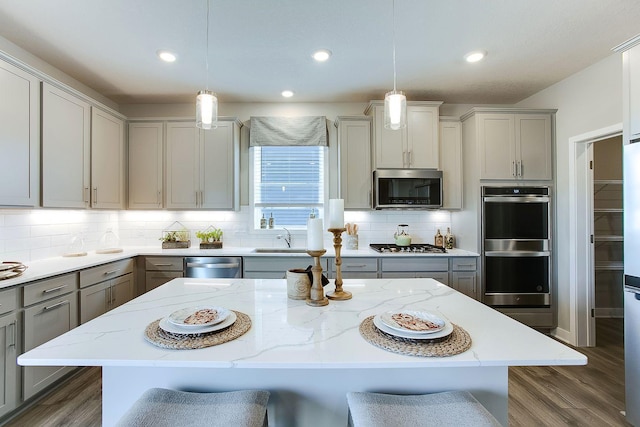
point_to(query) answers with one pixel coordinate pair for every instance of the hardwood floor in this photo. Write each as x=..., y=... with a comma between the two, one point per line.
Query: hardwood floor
x=591, y=395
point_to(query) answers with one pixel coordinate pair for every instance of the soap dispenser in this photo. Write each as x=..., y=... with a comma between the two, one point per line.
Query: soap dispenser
x=263, y=222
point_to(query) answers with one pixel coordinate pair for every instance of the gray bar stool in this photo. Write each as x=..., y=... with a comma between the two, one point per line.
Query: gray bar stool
x=452, y=408
x=159, y=407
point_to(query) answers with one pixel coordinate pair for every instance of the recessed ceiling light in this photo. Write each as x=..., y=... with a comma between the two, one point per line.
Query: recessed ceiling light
x=475, y=56
x=166, y=55
x=321, y=55
x=287, y=93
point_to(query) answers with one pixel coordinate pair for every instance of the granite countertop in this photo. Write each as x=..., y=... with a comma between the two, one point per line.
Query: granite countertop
x=288, y=333
x=48, y=267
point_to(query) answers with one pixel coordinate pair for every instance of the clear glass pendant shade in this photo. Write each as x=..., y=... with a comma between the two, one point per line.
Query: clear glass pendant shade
x=395, y=110
x=206, y=110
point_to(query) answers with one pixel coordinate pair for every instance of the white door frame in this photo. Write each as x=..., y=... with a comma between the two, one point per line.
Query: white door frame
x=581, y=283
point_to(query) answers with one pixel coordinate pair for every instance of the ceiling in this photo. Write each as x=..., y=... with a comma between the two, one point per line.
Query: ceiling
x=257, y=48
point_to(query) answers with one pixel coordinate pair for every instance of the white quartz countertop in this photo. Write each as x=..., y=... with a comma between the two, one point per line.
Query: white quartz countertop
x=290, y=334
x=59, y=265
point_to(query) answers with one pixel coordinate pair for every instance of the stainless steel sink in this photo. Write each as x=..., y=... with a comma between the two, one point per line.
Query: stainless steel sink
x=279, y=251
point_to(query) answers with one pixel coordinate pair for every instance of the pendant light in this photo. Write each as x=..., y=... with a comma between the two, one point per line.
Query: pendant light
x=206, y=101
x=395, y=102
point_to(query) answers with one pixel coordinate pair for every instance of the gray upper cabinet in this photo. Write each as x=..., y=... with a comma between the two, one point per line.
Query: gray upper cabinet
x=354, y=154
x=512, y=144
x=19, y=137
x=66, y=132
x=107, y=160
x=145, y=165
x=451, y=162
x=414, y=147
x=203, y=166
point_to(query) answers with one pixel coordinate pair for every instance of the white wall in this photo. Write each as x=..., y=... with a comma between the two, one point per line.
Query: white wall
x=586, y=101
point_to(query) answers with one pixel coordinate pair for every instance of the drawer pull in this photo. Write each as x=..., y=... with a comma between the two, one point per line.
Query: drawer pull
x=355, y=265
x=163, y=265
x=466, y=265
x=46, y=291
x=106, y=273
x=51, y=307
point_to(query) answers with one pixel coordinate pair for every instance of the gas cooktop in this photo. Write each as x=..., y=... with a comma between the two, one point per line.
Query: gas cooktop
x=414, y=248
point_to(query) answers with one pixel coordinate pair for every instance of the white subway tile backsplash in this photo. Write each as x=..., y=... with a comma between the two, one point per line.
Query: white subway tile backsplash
x=27, y=235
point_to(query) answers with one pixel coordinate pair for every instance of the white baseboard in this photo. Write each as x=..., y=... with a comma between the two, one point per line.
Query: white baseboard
x=564, y=336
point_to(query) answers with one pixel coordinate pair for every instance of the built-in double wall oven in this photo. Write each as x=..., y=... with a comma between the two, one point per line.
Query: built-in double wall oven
x=516, y=236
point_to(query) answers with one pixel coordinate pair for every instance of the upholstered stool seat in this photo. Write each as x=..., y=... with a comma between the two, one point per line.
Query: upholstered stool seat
x=454, y=408
x=160, y=407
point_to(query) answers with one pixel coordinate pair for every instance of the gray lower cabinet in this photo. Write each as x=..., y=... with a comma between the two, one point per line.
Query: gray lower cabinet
x=276, y=267
x=102, y=297
x=434, y=268
x=160, y=270
x=105, y=287
x=464, y=277
x=50, y=310
x=355, y=268
x=9, y=386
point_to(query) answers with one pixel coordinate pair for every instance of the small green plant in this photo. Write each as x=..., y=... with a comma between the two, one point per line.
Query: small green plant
x=209, y=235
x=175, y=236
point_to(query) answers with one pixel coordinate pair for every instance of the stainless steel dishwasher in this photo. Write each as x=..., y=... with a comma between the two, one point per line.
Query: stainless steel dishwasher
x=213, y=267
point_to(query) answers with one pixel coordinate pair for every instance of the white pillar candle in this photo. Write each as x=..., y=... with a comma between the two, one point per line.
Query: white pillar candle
x=336, y=213
x=314, y=234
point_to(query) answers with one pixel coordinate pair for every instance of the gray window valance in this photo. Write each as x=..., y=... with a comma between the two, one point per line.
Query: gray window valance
x=305, y=130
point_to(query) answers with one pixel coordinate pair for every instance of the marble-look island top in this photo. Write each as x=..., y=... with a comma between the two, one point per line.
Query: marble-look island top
x=290, y=334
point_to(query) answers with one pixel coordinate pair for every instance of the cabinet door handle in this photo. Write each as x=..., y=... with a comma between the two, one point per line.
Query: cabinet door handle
x=158, y=199
x=85, y=195
x=46, y=291
x=51, y=307
x=519, y=167
x=13, y=333
x=201, y=198
x=410, y=157
x=514, y=171
x=95, y=195
x=110, y=294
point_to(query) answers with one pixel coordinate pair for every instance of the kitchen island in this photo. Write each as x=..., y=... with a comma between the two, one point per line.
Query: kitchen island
x=308, y=357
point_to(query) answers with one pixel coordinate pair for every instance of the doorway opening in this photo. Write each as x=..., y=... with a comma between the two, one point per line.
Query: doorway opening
x=581, y=302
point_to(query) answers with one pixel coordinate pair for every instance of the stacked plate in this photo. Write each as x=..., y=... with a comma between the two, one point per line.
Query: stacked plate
x=198, y=320
x=11, y=269
x=417, y=325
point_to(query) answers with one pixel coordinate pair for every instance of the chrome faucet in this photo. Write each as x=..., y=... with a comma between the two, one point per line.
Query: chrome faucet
x=286, y=238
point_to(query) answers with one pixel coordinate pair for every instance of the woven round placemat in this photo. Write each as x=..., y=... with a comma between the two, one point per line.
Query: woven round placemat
x=455, y=343
x=161, y=338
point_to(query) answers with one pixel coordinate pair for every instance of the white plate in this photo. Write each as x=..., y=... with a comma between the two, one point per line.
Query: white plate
x=170, y=327
x=444, y=332
x=423, y=315
x=178, y=317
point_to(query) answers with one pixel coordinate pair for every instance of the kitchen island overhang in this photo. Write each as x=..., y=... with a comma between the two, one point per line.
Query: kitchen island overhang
x=309, y=357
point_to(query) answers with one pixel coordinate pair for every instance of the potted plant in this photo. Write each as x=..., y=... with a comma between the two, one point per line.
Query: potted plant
x=176, y=237
x=211, y=238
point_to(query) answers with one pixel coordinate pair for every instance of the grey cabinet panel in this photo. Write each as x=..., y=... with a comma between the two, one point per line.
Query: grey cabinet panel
x=42, y=323
x=9, y=373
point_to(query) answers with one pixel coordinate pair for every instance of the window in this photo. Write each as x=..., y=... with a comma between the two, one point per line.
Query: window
x=288, y=183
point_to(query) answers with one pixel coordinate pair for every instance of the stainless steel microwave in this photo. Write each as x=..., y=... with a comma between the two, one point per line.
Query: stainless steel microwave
x=407, y=189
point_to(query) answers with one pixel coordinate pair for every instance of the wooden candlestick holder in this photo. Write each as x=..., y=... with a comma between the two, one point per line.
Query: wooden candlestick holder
x=338, y=294
x=316, y=295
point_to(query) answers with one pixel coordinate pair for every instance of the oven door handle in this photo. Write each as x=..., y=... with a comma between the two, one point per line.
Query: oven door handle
x=517, y=253
x=516, y=199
